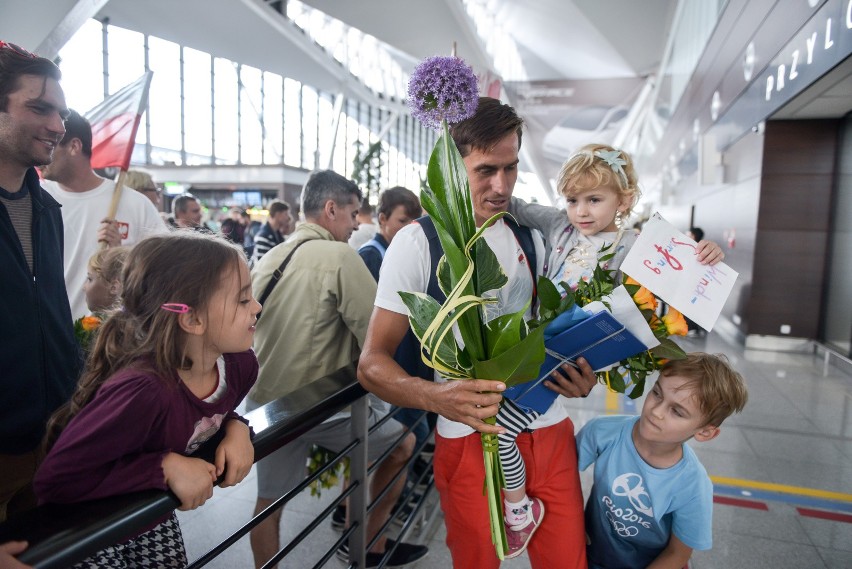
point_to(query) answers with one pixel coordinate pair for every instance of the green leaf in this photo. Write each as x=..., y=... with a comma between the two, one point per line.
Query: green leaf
x=668, y=350
x=518, y=364
x=489, y=274
x=422, y=310
x=638, y=389
x=616, y=382
x=548, y=295
x=504, y=331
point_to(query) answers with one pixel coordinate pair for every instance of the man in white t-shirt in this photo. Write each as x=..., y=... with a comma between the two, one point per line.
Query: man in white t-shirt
x=85, y=199
x=489, y=143
x=366, y=228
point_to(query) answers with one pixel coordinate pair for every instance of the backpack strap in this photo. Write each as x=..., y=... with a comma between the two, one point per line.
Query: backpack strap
x=276, y=276
x=525, y=237
x=436, y=251
x=374, y=243
x=408, y=354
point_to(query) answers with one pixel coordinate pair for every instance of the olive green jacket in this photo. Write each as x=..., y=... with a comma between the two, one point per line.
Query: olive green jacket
x=315, y=320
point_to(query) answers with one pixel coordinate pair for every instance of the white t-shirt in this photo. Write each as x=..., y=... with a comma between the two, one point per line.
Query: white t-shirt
x=364, y=233
x=82, y=213
x=406, y=267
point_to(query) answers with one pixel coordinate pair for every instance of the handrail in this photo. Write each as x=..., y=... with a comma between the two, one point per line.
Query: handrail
x=62, y=534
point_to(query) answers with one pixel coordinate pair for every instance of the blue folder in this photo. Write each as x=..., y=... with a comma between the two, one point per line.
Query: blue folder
x=601, y=339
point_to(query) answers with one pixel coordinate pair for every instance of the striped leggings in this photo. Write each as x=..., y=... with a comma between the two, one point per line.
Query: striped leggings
x=514, y=420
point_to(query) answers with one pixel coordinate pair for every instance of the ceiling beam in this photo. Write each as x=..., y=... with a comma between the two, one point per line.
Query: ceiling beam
x=68, y=26
x=347, y=82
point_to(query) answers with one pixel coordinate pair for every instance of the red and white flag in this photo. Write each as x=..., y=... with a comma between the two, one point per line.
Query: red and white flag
x=115, y=121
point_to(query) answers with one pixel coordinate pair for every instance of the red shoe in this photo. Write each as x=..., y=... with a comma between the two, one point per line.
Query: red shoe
x=518, y=537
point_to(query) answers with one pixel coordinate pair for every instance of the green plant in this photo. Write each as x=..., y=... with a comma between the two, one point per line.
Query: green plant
x=367, y=167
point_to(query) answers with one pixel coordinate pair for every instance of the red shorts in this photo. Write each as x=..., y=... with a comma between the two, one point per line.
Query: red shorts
x=550, y=455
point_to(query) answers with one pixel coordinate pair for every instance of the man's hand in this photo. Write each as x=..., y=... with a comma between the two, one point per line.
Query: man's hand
x=108, y=233
x=571, y=382
x=469, y=401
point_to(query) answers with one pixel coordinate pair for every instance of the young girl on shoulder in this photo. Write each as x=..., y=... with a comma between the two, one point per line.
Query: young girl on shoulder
x=166, y=373
x=600, y=187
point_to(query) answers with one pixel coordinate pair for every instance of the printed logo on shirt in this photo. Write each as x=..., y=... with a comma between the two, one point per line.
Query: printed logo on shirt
x=627, y=521
x=203, y=432
x=123, y=229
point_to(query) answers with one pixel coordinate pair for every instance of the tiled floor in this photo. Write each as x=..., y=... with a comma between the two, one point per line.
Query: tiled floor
x=782, y=470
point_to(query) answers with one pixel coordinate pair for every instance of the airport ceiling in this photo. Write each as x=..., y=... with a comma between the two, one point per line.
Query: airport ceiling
x=556, y=39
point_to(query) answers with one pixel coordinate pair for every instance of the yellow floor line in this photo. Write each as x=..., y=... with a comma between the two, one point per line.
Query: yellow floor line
x=781, y=488
x=612, y=402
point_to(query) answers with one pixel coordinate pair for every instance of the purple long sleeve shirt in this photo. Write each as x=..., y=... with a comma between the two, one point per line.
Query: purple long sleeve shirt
x=117, y=443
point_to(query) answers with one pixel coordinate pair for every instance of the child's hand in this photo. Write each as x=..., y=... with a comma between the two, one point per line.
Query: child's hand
x=8, y=551
x=235, y=454
x=191, y=479
x=709, y=253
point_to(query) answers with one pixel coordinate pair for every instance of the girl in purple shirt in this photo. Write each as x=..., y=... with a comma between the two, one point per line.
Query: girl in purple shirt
x=164, y=375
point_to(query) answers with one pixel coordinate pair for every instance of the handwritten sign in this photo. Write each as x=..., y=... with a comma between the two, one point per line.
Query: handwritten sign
x=663, y=260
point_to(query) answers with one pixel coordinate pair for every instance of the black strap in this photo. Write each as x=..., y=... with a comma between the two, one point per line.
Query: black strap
x=408, y=352
x=276, y=276
x=522, y=233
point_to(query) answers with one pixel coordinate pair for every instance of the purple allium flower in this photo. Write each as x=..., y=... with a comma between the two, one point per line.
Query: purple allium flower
x=442, y=88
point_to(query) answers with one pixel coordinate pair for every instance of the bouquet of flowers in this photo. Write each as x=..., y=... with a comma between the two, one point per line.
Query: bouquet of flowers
x=330, y=478
x=631, y=372
x=443, y=90
x=84, y=330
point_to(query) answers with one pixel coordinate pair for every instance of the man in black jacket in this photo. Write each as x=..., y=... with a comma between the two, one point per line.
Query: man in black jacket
x=39, y=357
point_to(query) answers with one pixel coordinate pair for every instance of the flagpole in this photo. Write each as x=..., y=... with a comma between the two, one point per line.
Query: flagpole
x=113, y=205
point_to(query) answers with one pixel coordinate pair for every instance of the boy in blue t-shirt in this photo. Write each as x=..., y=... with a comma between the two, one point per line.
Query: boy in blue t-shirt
x=652, y=501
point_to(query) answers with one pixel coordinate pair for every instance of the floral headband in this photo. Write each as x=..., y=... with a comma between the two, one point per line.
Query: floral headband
x=615, y=161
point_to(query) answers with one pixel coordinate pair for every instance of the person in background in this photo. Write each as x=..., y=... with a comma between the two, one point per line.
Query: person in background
x=652, y=502
x=696, y=234
x=86, y=199
x=103, y=278
x=187, y=212
x=366, y=226
x=234, y=226
x=143, y=183
x=39, y=356
x=398, y=207
x=164, y=376
x=274, y=231
x=314, y=322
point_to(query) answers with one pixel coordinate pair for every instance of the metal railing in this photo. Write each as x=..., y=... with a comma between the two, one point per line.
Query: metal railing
x=63, y=534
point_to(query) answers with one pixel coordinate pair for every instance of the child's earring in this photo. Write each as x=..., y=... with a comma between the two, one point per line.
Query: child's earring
x=619, y=219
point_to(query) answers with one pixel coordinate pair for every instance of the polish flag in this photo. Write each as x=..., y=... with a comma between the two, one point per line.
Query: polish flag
x=114, y=123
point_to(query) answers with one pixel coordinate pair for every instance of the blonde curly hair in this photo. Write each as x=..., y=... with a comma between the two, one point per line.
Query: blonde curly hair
x=586, y=170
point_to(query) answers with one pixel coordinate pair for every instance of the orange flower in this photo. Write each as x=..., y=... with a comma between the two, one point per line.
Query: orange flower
x=90, y=323
x=645, y=299
x=675, y=323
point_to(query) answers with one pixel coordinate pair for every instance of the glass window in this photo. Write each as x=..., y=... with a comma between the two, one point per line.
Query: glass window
x=198, y=138
x=251, y=136
x=164, y=99
x=82, y=68
x=127, y=61
x=273, y=92
x=309, y=127
x=292, y=123
x=225, y=111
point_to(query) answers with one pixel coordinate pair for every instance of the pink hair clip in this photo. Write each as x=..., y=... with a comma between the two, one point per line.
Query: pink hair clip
x=175, y=307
